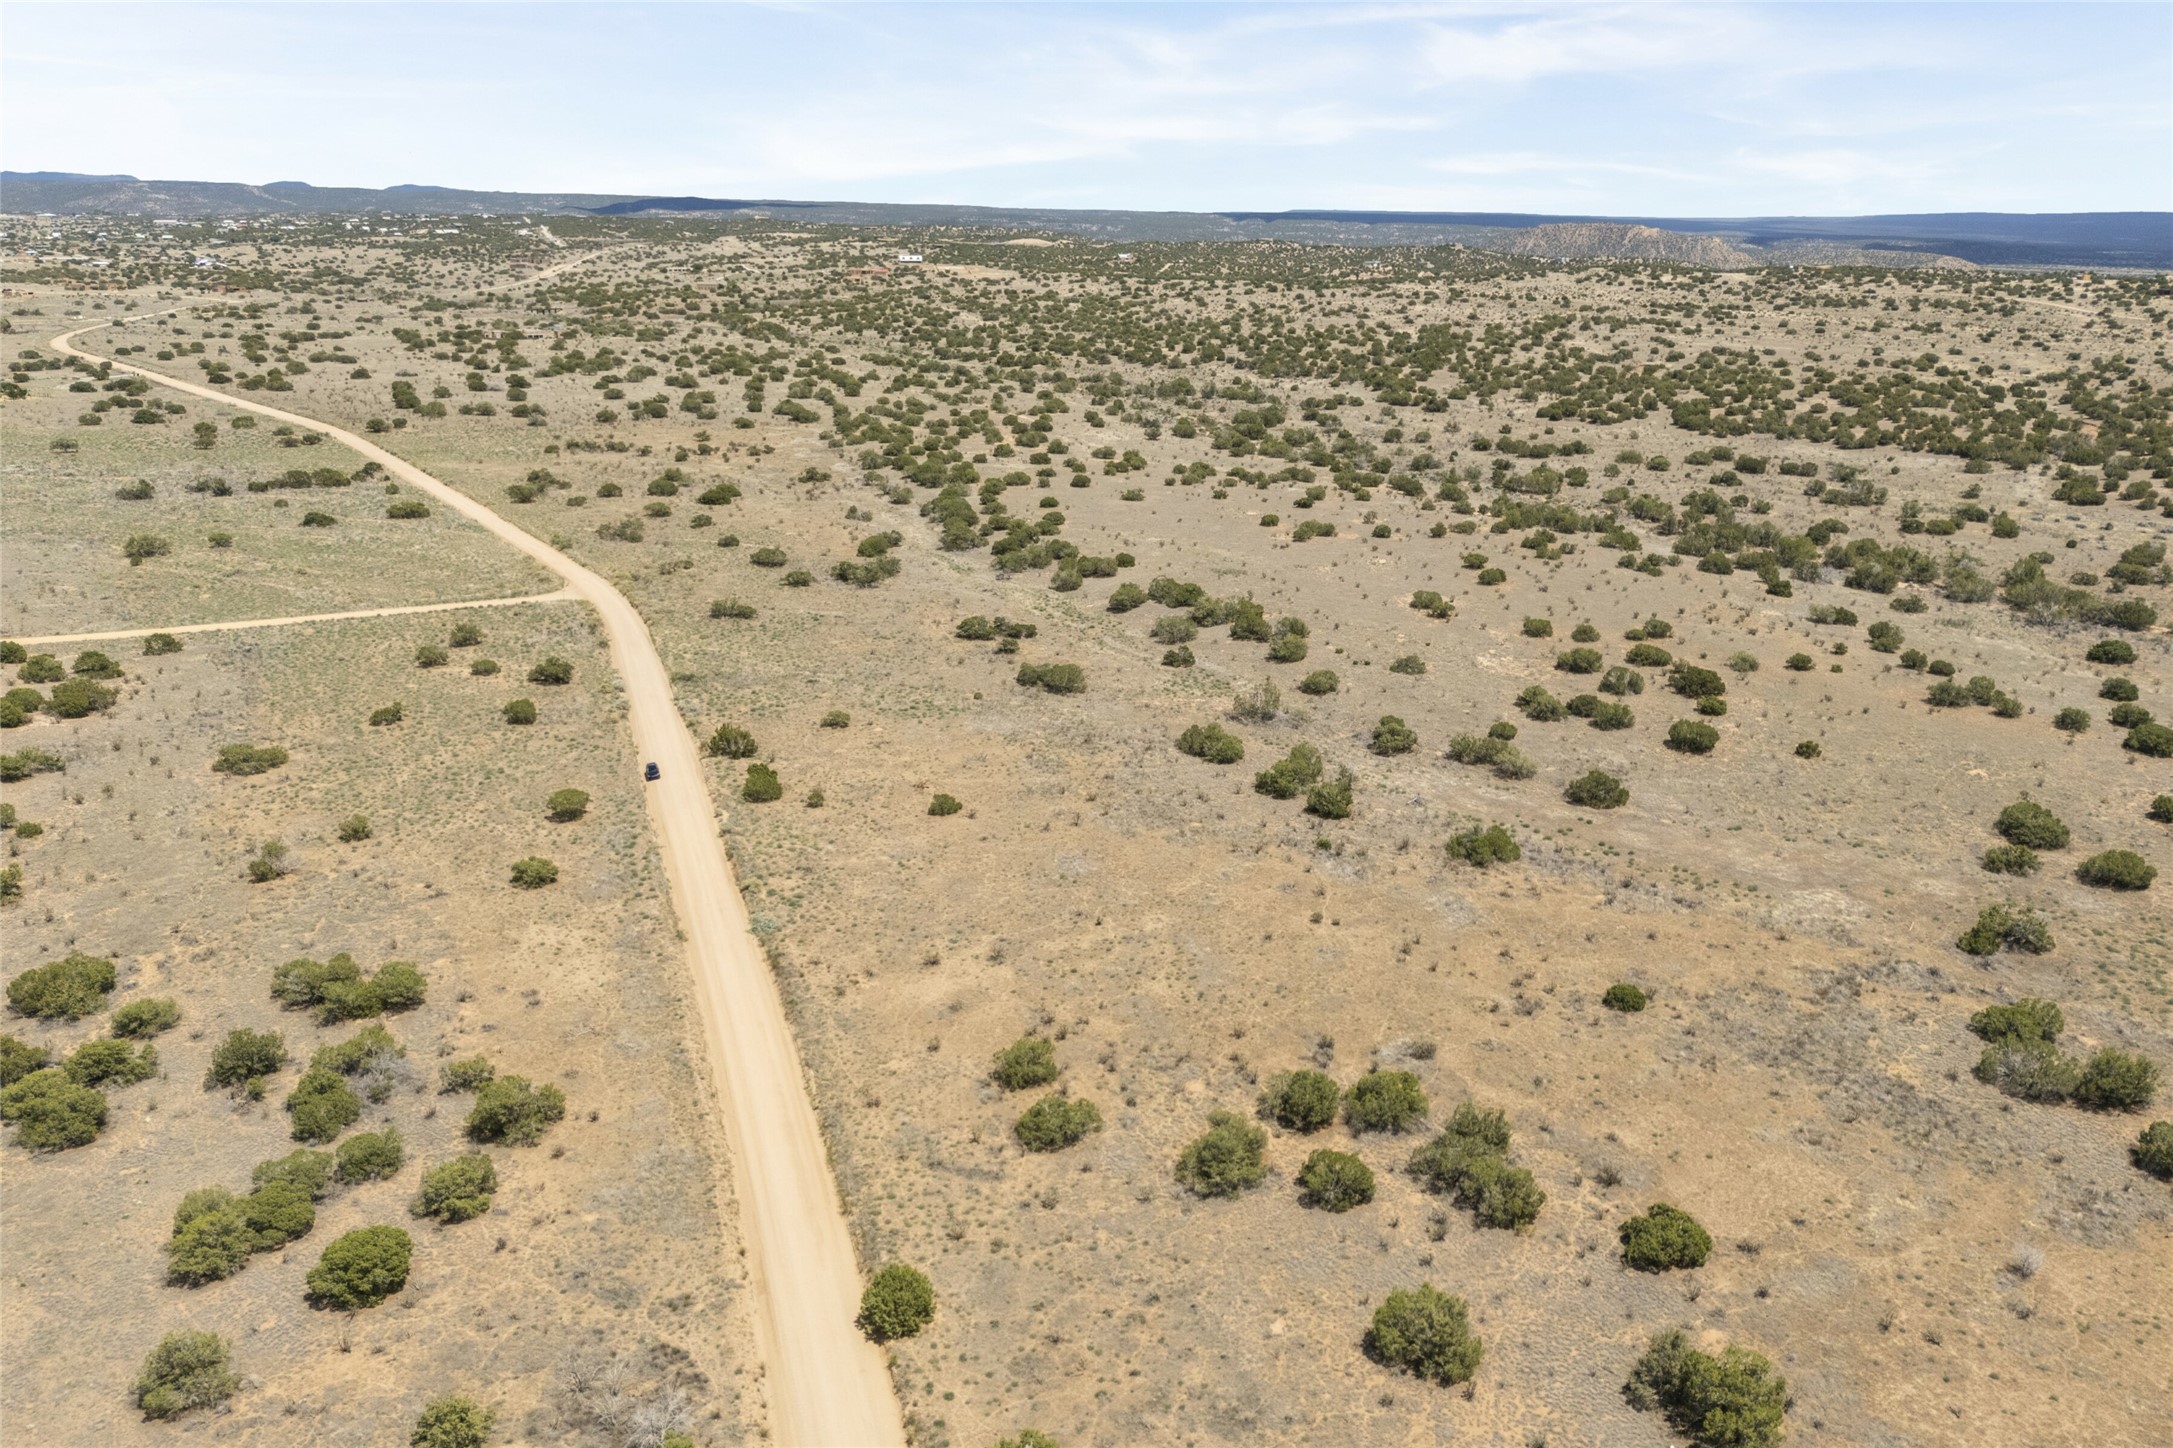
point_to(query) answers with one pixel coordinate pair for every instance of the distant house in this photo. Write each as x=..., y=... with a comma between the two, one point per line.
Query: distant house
x=905, y=256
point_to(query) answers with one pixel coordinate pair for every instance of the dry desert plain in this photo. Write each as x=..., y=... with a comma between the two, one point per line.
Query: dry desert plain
x=1966, y=472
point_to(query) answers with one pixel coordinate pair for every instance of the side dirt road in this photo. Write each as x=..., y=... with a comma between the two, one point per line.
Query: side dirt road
x=562, y=595
x=825, y=1384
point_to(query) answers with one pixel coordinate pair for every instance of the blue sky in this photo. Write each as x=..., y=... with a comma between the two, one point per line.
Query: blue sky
x=1708, y=109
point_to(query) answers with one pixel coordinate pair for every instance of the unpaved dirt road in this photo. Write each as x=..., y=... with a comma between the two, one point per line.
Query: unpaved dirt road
x=826, y=1385
x=561, y=596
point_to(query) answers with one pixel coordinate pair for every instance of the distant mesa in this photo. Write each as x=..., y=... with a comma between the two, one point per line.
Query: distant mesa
x=2138, y=239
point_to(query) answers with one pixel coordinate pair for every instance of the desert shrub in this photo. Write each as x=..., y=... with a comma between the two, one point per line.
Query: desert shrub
x=2027, y=823
x=1799, y=663
x=1393, y=736
x=1226, y=1159
x=520, y=711
x=408, y=508
x=321, y=1106
x=1501, y=729
x=62, y=990
x=52, y=1113
x=2029, y=1070
x=511, y=1112
x=535, y=872
x=80, y=698
x=1597, y=790
x=1212, y=743
x=2111, y=651
x=2161, y=809
x=1538, y=704
x=2024, y=1022
x=338, y=990
x=431, y=656
x=1469, y=1160
x=1384, y=1101
x=2155, y=740
x=1618, y=716
x=371, y=1156
x=1301, y=1100
x=1125, y=597
x=269, y=863
x=1055, y=1122
x=1536, y=628
x=731, y=608
x=1174, y=628
x=1292, y=775
x=483, y=668
x=1286, y=648
x=2116, y=1081
x=1492, y=750
x=211, y=1241
x=1731, y=1401
x=102, y=1063
x=1664, y=1239
x=899, y=1302
x=2011, y=860
x=1579, y=661
x=1335, y=1181
x=1492, y=845
x=1648, y=656
x=307, y=1171
x=455, y=1423
x=23, y=763
x=140, y=546
x=2119, y=691
x=2153, y=1150
x=245, y=1056
x=361, y=1269
x=1258, y=706
x=470, y=1073
x=1319, y=682
x=944, y=804
x=837, y=719
x=244, y=759
x=1693, y=682
x=1408, y=664
x=392, y=713
x=1331, y=798
x=975, y=628
x=551, y=670
x=1054, y=678
x=767, y=558
x=186, y=1370
x=2117, y=870
x=1625, y=997
x=457, y=1190
x=762, y=785
x=1427, y=1333
x=1025, y=1438
x=2000, y=926
x=19, y=1058
x=1688, y=736
x=1028, y=1061
x=354, y=829
x=566, y=805
x=276, y=1213
x=731, y=742
x=1620, y=681
x=2072, y=721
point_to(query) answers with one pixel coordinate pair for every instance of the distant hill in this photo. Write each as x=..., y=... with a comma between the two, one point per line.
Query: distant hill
x=2094, y=238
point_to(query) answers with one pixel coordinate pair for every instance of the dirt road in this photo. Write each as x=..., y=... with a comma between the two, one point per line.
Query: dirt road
x=826, y=1385
x=561, y=596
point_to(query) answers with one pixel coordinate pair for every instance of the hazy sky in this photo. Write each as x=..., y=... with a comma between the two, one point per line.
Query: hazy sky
x=1707, y=109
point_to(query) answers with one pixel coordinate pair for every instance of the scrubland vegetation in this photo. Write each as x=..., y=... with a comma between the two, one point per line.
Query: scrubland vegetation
x=1689, y=729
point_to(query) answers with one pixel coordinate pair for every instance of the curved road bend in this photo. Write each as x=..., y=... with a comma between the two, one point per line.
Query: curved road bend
x=828, y=1387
